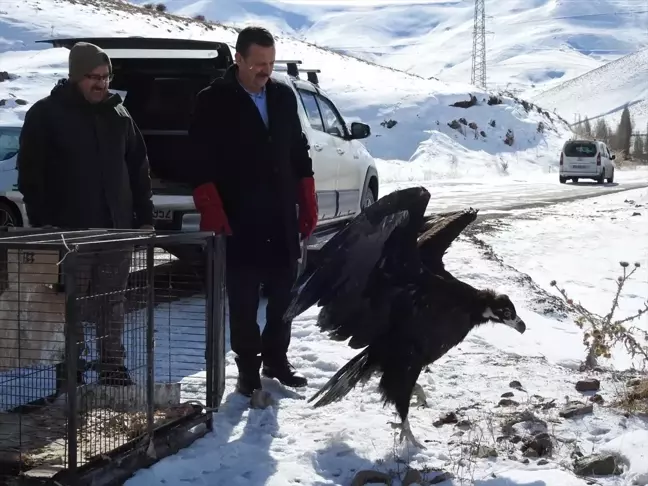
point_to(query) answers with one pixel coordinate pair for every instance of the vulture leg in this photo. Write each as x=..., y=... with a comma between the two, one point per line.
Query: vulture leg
x=419, y=394
x=402, y=407
x=406, y=433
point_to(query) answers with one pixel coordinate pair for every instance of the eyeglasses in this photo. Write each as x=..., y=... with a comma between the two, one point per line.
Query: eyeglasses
x=99, y=77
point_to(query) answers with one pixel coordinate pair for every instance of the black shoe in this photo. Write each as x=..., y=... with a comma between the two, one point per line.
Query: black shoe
x=248, y=378
x=247, y=384
x=285, y=373
x=118, y=376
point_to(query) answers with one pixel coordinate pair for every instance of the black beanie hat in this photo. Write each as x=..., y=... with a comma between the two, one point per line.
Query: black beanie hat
x=84, y=57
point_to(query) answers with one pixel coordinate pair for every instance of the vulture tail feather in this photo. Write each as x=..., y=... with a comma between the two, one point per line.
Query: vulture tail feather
x=356, y=370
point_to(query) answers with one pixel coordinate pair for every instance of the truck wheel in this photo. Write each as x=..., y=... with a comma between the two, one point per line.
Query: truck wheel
x=9, y=216
x=368, y=198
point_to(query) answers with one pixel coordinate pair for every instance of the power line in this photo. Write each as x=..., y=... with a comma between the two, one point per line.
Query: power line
x=478, y=74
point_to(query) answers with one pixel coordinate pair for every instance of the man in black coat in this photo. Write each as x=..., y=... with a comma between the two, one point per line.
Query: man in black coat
x=253, y=180
x=83, y=164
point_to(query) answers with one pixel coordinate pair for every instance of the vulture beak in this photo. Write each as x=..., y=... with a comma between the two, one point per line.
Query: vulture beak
x=517, y=324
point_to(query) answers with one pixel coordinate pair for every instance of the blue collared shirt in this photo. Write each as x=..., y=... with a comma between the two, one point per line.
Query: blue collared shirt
x=259, y=100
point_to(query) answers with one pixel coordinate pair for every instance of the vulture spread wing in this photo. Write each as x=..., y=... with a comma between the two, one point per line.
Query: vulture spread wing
x=380, y=241
x=439, y=234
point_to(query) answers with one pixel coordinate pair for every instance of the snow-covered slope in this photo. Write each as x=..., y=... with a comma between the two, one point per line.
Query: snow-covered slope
x=529, y=42
x=603, y=92
x=375, y=94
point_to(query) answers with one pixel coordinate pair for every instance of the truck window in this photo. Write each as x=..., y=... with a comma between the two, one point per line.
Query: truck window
x=333, y=124
x=161, y=106
x=163, y=103
x=312, y=110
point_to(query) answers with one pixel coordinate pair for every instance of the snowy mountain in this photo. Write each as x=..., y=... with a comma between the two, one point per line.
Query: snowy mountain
x=529, y=42
x=603, y=92
x=474, y=146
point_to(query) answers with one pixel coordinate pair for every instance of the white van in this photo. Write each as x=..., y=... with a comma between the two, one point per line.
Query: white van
x=586, y=159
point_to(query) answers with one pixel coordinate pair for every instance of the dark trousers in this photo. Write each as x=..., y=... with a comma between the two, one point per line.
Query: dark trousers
x=101, y=280
x=243, y=291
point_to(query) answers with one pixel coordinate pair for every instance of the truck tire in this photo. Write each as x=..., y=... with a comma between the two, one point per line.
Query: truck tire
x=368, y=198
x=9, y=215
x=370, y=191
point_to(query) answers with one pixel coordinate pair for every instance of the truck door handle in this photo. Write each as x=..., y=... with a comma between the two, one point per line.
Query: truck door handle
x=317, y=147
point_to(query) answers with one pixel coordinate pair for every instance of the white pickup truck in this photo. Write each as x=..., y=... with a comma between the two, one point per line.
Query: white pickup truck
x=159, y=79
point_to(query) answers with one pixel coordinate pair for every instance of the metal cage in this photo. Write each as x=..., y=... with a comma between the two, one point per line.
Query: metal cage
x=112, y=348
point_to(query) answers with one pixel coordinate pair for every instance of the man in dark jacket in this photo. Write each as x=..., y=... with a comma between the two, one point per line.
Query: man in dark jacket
x=83, y=164
x=253, y=180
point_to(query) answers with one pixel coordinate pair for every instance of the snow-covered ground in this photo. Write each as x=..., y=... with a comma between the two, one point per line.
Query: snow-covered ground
x=578, y=244
x=374, y=94
x=529, y=42
x=604, y=92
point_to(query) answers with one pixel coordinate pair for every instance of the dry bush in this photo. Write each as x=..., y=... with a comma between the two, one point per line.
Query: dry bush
x=634, y=397
x=602, y=333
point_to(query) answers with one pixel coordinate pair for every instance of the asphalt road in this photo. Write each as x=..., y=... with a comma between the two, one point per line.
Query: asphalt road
x=493, y=198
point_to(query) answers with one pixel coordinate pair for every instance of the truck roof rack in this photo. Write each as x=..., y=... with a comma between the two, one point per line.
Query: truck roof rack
x=311, y=75
x=291, y=66
x=293, y=70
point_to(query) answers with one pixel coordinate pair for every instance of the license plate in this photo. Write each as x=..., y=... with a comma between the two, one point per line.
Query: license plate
x=579, y=166
x=163, y=214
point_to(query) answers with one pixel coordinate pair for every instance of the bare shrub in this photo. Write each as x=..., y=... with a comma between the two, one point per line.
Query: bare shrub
x=602, y=333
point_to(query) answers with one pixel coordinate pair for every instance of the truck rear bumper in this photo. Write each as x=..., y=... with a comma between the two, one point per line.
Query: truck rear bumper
x=580, y=173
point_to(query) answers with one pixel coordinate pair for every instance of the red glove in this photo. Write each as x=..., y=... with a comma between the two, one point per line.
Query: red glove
x=307, y=206
x=209, y=205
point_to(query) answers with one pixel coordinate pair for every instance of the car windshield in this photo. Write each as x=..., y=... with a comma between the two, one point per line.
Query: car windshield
x=8, y=142
x=580, y=149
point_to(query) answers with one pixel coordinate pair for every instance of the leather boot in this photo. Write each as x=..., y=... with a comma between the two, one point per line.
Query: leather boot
x=116, y=377
x=112, y=372
x=248, y=374
x=283, y=371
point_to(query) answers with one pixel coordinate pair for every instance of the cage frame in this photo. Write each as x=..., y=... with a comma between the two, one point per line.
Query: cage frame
x=115, y=466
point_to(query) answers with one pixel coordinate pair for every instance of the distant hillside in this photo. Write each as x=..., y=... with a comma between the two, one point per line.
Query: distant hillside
x=603, y=92
x=530, y=44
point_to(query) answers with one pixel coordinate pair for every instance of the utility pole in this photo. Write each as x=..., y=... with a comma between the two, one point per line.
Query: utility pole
x=478, y=76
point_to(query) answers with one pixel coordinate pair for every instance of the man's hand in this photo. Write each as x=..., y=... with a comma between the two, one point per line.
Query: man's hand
x=307, y=207
x=209, y=205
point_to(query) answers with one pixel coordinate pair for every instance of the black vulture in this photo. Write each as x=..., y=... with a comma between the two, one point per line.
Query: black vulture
x=381, y=282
